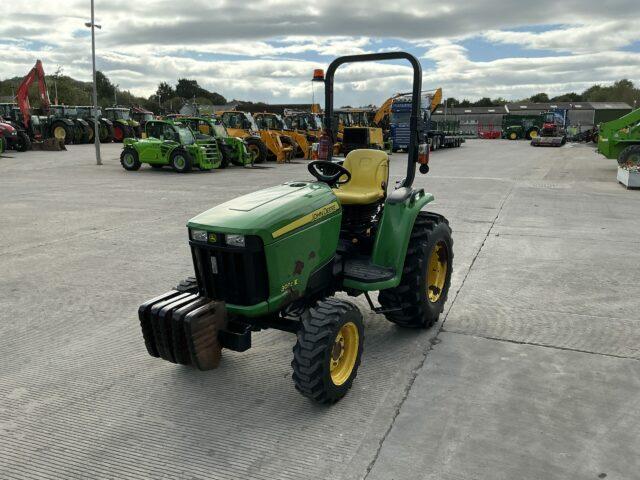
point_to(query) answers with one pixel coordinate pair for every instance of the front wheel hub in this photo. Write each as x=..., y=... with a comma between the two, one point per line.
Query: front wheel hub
x=344, y=353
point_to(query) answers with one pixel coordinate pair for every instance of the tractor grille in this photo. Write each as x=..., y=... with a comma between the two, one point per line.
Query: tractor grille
x=212, y=152
x=233, y=274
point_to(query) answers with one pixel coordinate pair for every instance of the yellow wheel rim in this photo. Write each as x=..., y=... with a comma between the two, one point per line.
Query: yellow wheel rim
x=437, y=271
x=533, y=133
x=344, y=353
x=91, y=132
x=254, y=151
x=60, y=133
x=513, y=135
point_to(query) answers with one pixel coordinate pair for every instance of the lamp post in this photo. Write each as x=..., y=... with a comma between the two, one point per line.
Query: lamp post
x=96, y=125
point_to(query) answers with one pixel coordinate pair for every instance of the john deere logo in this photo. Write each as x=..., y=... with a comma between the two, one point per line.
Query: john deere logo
x=213, y=238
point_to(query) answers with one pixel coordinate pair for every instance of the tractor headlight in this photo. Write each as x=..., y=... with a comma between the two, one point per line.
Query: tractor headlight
x=198, y=235
x=235, y=240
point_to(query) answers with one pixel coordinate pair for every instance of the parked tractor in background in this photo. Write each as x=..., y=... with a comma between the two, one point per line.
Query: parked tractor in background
x=170, y=143
x=517, y=127
x=620, y=140
x=81, y=132
x=267, y=145
x=123, y=125
x=234, y=150
x=105, y=126
x=553, y=132
x=142, y=116
x=276, y=258
x=42, y=132
x=275, y=123
x=14, y=137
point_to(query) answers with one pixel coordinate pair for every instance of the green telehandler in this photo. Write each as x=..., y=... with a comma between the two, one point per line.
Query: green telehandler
x=234, y=150
x=170, y=143
x=276, y=258
x=620, y=140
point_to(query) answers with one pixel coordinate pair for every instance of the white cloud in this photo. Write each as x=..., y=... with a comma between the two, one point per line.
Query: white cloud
x=266, y=49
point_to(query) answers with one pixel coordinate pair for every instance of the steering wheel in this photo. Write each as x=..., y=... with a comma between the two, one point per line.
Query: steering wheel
x=329, y=172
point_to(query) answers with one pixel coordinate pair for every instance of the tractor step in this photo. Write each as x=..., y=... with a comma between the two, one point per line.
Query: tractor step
x=365, y=271
x=182, y=327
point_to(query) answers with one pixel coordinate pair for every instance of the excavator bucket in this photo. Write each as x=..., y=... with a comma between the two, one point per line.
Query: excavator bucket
x=548, y=141
x=49, y=145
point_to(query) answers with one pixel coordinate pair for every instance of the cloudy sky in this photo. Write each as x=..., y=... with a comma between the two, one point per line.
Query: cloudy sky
x=266, y=50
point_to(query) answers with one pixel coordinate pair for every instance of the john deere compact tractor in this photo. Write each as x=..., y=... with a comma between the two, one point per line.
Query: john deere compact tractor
x=277, y=257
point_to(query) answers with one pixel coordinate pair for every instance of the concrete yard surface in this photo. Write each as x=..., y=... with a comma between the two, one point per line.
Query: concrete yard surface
x=533, y=371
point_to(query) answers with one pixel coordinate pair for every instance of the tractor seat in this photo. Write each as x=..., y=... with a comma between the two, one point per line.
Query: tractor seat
x=369, y=177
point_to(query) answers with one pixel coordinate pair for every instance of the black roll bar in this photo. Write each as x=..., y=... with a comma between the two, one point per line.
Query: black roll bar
x=416, y=125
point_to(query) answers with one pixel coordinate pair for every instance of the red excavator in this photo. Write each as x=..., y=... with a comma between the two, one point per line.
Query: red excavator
x=46, y=132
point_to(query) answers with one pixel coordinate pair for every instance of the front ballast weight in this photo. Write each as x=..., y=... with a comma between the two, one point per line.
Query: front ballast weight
x=182, y=327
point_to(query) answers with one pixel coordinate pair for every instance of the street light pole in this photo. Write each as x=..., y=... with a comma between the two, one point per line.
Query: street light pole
x=96, y=124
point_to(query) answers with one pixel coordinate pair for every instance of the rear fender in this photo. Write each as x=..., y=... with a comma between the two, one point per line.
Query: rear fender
x=392, y=239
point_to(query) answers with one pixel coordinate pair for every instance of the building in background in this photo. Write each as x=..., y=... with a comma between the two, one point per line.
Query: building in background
x=583, y=115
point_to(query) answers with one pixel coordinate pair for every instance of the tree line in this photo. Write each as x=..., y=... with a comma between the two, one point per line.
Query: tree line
x=69, y=91
x=169, y=98
x=621, y=91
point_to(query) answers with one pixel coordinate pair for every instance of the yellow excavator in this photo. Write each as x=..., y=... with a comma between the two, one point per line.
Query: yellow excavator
x=243, y=125
x=273, y=122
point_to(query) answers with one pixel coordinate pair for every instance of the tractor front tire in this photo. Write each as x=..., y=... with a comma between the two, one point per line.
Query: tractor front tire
x=181, y=161
x=426, y=276
x=630, y=157
x=257, y=149
x=23, y=142
x=327, y=353
x=129, y=159
x=531, y=134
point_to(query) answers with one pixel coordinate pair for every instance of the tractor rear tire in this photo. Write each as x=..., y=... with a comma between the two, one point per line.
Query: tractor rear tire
x=105, y=133
x=426, y=276
x=23, y=142
x=327, y=353
x=532, y=133
x=181, y=161
x=129, y=159
x=78, y=134
x=258, y=149
x=119, y=133
x=58, y=129
x=630, y=157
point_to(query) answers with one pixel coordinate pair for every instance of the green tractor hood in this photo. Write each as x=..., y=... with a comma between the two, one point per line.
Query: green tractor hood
x=272, y=213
